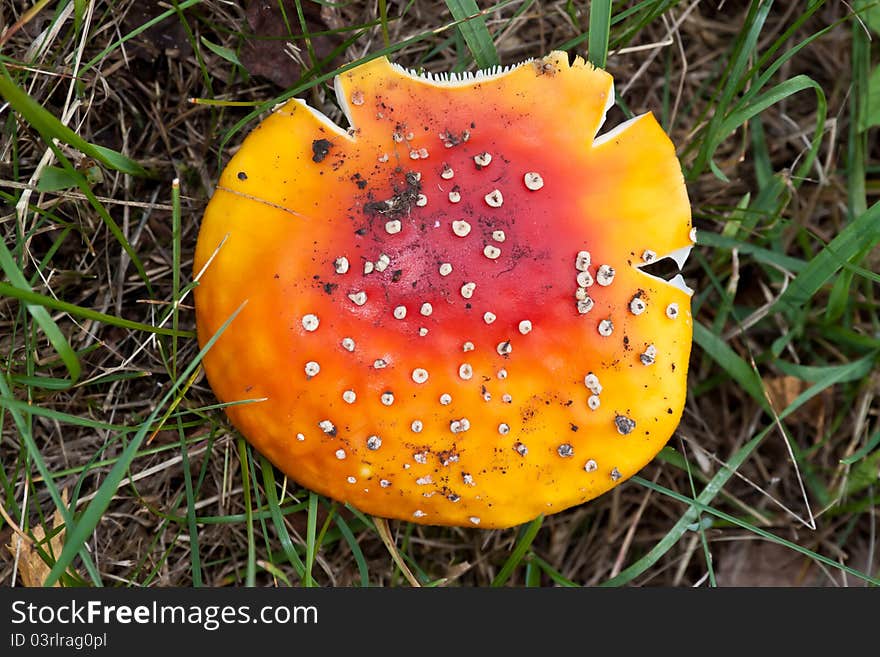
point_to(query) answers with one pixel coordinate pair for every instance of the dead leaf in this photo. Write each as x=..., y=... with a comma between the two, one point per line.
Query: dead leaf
x=31, y=567
x=167, y=37
x=268, y=54
x=783, y=390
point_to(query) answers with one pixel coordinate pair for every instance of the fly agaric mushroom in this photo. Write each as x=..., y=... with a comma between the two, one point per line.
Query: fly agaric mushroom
x=446, y=317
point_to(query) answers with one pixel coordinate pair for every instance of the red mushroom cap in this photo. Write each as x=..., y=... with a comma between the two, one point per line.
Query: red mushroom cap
x=445, y=311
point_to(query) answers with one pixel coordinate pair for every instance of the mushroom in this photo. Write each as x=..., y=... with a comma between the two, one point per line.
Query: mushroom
x=445, y=360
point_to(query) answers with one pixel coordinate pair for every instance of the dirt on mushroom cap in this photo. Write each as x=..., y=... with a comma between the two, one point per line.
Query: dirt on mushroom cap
x=474, y=417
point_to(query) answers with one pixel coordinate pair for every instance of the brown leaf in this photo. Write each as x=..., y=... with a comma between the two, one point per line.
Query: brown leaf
x=166, y=37
x=268, y=54
x=783, y=390
x=31, y=567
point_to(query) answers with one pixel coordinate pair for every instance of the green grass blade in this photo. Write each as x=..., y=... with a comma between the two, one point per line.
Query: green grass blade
x=701, y=528
x=533, y=575
x=383, y=18
x=869, y=12
x=12, y=404
x=356, y=551
x=759, y=254
x=698, y=506
x=863, y=475
x=856, y=238
x=792, y=27
x=33, y=298
x=311, y=536
x=278, y=518
x=238, y=518
x=474, y=31
x=41, y=382
x=861, y=453
x=50, y=128
x=111, y=224
x=599, y=32
x=79, y=533
x=41, y=316
x=224, y=53
x=690, y=516
x=250, y=578
x=870, y=118
x=853, y=371
x=103, y=463
x=743, y=50
x=54, y=179
x=754, y=107
x=739, y=80
x=552, y=572
x=718, y=482
x=738, y=369
x=79, y=421
x=761, y=153
x=523, y=543
x=79, y=11
x=314, y=60
x=195, y=556
x=33, y=451
x=175, y=270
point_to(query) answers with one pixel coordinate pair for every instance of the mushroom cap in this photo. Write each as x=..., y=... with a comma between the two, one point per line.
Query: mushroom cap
x=446, y=321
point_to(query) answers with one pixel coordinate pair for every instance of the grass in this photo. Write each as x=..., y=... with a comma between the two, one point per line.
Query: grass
x=105, y=168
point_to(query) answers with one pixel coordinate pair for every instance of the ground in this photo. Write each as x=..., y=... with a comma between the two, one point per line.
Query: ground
x=769, y=105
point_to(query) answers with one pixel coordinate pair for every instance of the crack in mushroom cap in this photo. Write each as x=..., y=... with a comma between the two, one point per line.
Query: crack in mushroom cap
x=315, y=192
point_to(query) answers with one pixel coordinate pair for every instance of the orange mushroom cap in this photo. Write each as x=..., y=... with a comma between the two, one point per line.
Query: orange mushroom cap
x=446, y=319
